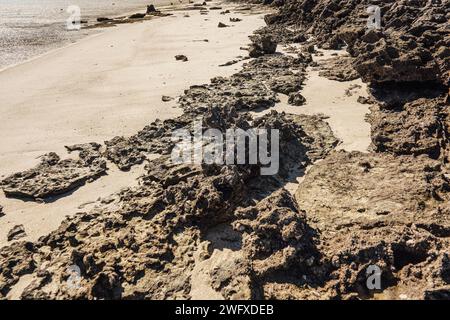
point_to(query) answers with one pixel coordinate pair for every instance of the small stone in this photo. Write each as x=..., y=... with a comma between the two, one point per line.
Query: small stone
x=296, y=99
x=310, y=261
x=103, y=19
x=166, y=98
x=222, y=25
x=335, y=262
x=181, y=57
x=16, y=232
x=299, y=38
x=151, y=8
x=363, y=100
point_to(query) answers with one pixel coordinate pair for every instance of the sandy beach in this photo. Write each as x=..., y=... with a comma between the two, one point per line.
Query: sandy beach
x=112, y=83
x=93, y=204
x=106, y=85
x=83, y=98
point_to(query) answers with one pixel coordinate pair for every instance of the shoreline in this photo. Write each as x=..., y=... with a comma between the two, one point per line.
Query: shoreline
x=361, y=178
x=95, y=32
x=22, y=146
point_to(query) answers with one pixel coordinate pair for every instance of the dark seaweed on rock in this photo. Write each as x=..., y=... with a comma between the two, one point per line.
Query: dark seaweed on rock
x=388, y=207
x=415, y=128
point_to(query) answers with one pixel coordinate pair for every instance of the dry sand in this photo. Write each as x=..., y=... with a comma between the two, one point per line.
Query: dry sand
x=103, y=86
x=345, y=115
x=111, y=84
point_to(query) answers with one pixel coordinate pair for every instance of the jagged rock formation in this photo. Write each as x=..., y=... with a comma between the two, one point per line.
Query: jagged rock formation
x=412, y=44
x=16, y=233
x=242, y=235
x=142, y=244
x=338, y=69
x=252, y=88
x=54, y=176
x=262, y=44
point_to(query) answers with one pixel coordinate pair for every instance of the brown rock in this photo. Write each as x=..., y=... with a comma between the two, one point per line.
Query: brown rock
x=54, y=176
x=16, y=233
x=181, y=57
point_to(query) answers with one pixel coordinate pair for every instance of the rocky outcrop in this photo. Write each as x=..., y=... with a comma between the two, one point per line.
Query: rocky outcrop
x=338, y=69
x=242, y=235
x=370, y=186
x=252, y=88
x=53, y=176
x=16, y=233
x=262, y=44
x=142, y=243
x=16, y=260
x=411, y=45
x=377, y=209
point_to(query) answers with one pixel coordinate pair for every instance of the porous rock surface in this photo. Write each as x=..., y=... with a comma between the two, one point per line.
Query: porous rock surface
x=225, y=230
x=53, y=176
x=412, y=44
x=142, y=244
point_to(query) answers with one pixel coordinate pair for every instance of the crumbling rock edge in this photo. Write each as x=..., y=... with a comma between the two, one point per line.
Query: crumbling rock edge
x=388, y=207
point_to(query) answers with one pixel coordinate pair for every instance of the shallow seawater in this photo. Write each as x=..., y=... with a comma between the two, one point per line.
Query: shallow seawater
x=32, y=27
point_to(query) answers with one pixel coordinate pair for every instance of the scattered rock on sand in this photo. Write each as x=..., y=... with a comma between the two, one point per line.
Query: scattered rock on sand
x=16, y=233
x=296, y=99
x=151, y=8
x=351, y=90
x=54, y=176
x=142, y=224
x=363, y=100
x=387, y=208
x=1, y=212
x=235, y=20
x=222, y=25
x=181, y=57
x=166, y=98
x=229, y=63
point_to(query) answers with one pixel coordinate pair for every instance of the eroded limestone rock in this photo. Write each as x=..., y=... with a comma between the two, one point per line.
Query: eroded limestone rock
x=53, y=176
